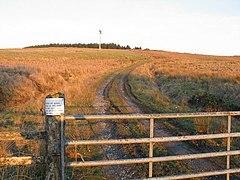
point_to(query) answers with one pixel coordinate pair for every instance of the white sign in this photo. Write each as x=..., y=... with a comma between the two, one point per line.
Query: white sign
x=54, y=106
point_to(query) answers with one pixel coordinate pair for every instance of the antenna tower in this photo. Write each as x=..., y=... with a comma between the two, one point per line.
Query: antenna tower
x=100, y=38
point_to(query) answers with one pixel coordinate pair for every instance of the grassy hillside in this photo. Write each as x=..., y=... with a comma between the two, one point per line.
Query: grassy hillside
x=176, y=82
x=28, y=75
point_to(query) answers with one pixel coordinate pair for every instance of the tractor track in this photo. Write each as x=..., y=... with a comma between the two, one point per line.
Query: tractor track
x=114, y=152
x=108, y=132
x=136, y=106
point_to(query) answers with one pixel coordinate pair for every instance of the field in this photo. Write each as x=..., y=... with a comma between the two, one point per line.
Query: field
x=175, y=82
x=31, y=74
x=164, y=82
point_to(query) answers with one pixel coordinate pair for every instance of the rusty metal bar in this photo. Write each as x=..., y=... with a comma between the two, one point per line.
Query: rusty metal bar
x=153, y=159
x=197, y=175
x=149, y=116
x=151, y=134
x=228, y=146
x=152, y=140
x=75, y=153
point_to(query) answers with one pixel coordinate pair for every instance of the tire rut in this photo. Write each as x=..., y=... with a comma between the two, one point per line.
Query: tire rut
x=104, y=105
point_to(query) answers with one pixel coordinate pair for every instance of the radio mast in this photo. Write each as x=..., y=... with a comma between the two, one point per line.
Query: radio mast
x=100, y=38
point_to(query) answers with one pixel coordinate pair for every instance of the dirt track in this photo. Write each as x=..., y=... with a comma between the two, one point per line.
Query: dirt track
x=135, y=106
x=103, y=104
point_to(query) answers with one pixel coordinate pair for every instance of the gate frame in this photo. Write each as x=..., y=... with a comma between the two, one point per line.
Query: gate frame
x=151, y=117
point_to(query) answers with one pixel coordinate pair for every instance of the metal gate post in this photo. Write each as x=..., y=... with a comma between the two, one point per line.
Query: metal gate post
x=62, y=147
x=228, y=145
x=151, y=146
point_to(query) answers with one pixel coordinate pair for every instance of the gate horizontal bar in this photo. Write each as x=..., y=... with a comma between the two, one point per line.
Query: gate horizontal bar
x=154, y=159
x=25, y=135
x=16, y=161
x=196, y=175
x=11, y=136
x=152, y=140
x=149, y=116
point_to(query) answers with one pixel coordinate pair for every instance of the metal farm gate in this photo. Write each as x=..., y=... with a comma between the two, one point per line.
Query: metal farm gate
x=56, y=143
x=151, y=140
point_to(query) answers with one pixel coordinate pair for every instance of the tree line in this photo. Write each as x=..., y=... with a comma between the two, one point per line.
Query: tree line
x=81, y=45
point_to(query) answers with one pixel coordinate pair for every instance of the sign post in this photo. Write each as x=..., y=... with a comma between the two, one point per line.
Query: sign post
x=54, y=117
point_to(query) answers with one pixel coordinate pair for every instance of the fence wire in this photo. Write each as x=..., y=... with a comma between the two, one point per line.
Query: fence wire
x=17, y=123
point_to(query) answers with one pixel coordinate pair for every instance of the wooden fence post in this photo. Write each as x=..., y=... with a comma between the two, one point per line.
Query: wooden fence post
x=54, y=108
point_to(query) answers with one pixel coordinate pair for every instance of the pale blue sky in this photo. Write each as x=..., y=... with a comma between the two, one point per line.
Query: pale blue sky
x=196, y=26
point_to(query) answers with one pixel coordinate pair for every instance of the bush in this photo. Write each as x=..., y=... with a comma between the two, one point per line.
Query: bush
x=206, y=101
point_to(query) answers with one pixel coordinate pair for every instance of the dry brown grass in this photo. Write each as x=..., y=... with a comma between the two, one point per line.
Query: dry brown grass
x=173, y=78
x=28, y=75
x=197, y=66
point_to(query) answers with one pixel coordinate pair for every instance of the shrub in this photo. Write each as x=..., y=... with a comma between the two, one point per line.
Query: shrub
x=206, y=101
